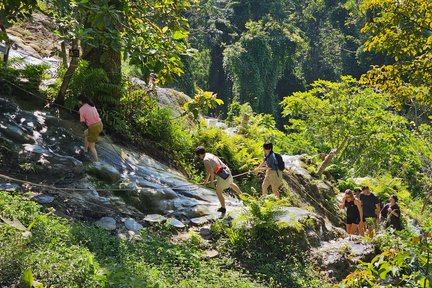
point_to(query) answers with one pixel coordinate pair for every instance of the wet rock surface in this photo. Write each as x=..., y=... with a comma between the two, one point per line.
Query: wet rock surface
x=337, y=258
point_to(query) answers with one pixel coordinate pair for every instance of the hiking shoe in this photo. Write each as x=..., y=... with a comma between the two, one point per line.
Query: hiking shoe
x=222, y=210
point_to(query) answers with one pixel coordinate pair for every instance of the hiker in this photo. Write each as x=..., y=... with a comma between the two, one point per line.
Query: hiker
x=391, y=214
x=371, y=210
x=216, y=169
x=354, y=211
x=273, y=175
x=151, y=83
x=357, y=192
x=90, y=116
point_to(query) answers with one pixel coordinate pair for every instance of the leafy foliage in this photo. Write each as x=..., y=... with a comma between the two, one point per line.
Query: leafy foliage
x=331, y=113
x=68, y=254
x=402, y=30
x=201, y=103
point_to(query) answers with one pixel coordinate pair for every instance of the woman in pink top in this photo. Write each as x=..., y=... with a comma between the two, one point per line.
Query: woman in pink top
x=90, y=116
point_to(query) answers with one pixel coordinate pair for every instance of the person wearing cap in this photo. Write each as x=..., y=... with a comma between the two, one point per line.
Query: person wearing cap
x=217, y=170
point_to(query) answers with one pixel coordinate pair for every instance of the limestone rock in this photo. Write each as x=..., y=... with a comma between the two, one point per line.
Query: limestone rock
x=131, y=224
x=104, y=172
x=199, y=220
x=154, y=218
x=10, y=187
x=107, y=223
x=175, y=223
x=212, y=253
x=15, y=133
x=43, y=199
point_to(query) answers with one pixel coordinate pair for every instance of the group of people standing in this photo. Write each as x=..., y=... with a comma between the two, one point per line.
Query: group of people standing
x=363, y=212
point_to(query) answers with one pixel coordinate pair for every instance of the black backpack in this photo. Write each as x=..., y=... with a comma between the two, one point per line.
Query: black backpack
x=281, y=163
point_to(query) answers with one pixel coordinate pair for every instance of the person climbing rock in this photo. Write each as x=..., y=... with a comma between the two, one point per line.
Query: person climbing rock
x=90, y=116
x=371, y=210
x=354, y=213
x=217, y=170
x=391, y=214
x=273, y=175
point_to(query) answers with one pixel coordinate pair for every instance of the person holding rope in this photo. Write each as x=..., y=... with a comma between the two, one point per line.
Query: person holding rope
x=216, y=169
x=90, y=116
x=273, y=175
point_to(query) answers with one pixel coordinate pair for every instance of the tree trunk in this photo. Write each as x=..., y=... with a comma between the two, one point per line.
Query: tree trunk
x=60, y=99
x=8, y=44
x=327, y=161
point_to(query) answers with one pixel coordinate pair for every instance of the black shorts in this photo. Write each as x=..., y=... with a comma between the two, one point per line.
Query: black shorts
x=353, y=220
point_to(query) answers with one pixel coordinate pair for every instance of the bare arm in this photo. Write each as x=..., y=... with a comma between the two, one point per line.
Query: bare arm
x=377, y=211
x=342, y=204
x=262, y=164
x=360, y=209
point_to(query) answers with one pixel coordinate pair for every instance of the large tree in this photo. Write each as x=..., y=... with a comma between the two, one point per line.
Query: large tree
x=149, y=34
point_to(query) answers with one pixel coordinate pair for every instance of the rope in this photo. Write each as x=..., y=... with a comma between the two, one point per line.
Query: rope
x=89, y=189
x=313, y=199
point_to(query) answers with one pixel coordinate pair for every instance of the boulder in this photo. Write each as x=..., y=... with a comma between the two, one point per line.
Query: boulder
x=107, y=223
x=104, y=172
x=10, y=187
x=132, y=225
x=15, y=133
x=43, y=199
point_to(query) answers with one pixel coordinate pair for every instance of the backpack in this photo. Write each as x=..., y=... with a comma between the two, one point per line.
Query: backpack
x=281, y=163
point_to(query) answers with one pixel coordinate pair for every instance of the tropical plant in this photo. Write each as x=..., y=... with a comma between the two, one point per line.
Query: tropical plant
x=403, y=31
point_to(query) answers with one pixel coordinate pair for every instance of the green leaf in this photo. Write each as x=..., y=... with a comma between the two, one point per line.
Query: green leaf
x=180, y=35
x=28, y=278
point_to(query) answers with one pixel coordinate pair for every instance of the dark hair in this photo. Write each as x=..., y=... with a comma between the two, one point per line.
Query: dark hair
x=365, y=187
x=357, y=190
x=200, y=150
x=84, y=99
x=394, y=197
x=268, y=146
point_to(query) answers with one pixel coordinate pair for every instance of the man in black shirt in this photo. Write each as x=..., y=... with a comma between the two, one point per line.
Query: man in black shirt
x=371, y=210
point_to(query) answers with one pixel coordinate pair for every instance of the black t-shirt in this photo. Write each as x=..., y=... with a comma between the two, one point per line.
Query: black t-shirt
x=368, y=204
x=393, y=220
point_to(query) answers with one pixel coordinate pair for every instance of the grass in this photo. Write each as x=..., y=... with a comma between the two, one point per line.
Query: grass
x=64, y=253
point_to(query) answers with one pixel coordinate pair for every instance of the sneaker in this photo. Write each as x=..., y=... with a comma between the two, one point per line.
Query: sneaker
x=222, y=210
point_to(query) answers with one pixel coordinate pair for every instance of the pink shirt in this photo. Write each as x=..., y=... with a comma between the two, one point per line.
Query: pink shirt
x=89, y=115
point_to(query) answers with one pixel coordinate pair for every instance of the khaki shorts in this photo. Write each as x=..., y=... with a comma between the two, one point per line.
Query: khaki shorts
x=93, y=132
x=224, y=183
x=273, y=178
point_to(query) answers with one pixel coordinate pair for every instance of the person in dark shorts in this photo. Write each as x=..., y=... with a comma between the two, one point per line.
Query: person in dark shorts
x=371, y=210
x=354, y=211
x=391, y=214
